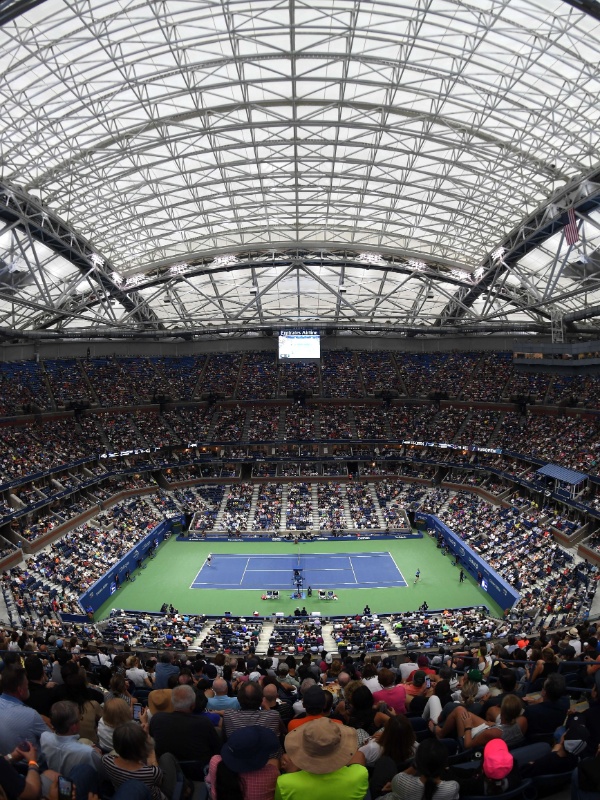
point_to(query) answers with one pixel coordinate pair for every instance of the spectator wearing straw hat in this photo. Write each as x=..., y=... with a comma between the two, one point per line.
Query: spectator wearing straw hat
x=322, y=761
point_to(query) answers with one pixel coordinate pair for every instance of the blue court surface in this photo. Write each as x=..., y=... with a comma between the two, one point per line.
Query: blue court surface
x=319, y=570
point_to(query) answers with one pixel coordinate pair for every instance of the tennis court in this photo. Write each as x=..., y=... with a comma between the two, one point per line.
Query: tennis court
x=332, y=570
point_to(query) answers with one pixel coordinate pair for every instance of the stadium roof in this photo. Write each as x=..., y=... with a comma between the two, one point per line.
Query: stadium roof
x=428, y=167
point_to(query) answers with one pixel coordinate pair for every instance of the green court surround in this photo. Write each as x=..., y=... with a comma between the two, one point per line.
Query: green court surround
x=168, y=577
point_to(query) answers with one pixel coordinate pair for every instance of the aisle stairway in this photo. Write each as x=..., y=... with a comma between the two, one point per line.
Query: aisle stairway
x=253, y=504
x=378, y=510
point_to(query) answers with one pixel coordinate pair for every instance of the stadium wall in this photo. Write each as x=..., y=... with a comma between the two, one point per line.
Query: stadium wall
x=497, y=588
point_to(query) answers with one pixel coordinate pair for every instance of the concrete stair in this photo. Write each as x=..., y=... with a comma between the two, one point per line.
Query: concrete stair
x=253, y=504
x=378, y=511
x=267, y=629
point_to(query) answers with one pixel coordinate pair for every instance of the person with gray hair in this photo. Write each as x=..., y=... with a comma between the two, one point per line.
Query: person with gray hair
x=62, y=748
x=187, y=736
x=284, y=677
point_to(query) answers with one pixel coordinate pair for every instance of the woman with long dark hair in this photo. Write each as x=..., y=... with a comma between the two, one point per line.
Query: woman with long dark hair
x=245, y=769
x=362, y=713
x=423, y=781
x=397, y=746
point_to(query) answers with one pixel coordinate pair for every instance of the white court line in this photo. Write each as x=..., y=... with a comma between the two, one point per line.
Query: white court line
x=312, y=569
x=354, y=573
x=244, y=572
x=398, y=568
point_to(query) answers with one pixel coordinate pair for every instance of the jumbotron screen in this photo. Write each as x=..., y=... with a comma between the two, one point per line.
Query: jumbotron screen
x=299, y=346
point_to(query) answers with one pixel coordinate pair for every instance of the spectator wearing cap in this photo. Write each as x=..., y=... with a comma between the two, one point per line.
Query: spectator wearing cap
x=498, y=774
x=314, y=701
x=322, y=760
x=563, y=757
x=545, y=715
x=575, y=641
x=188, y=736
x=244, y=768
x=392, y=694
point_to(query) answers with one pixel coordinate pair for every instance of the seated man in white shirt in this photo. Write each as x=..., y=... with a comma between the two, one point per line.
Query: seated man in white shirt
x=62, y=749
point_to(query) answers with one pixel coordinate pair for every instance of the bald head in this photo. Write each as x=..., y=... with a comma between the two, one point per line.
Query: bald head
x=219, y=686
x=343, y=679
x=270, y=693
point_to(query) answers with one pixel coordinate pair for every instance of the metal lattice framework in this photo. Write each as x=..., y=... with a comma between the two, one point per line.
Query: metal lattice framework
x=184, y=167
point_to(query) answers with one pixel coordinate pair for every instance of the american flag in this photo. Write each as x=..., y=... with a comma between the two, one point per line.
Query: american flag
x=571, y=231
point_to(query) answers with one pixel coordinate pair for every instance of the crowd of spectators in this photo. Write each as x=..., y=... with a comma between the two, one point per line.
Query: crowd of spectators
x=220, y=376
x=258, y=379
x=157, y=631
x=364, y=632
x=354, y=721
x=237, y=508
x=299, y=513
x=553, y=586
x=335, y=423
x=54, y=578
x=229, y=424
x=267, y=516
x=379, y=372
x=362, y=507
x=233, y=635
x=332, y=516
x=299, y=423
x=340, y=376
x=299, y=376
x=370, y=423
x=89, y=435
x=479, y=427
x=66, y=382
x=22, y=388
x=264, y=424
x=112, y=381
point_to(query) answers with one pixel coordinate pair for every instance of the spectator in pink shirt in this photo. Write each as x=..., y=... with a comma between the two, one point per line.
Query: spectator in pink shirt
x=393, y=696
